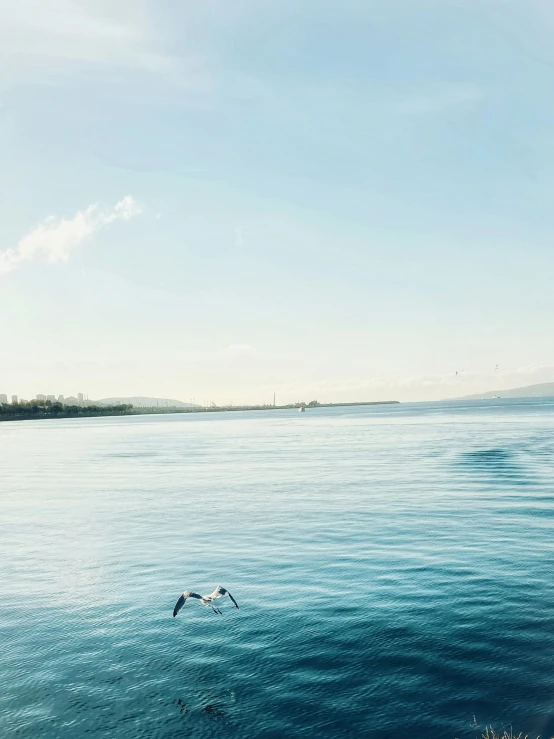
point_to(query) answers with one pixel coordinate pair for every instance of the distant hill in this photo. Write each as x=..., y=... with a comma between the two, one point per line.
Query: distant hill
x=543, y=390
x=142, y=402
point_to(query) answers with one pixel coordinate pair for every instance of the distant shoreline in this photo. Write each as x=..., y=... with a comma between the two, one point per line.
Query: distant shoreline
x=232, y=408
x=291, y=406
x=44, y=412
x=540, y=390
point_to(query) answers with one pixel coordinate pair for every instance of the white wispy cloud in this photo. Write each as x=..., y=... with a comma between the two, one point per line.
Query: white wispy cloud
x=56, y=238
x=122, y=44
x=83, y=32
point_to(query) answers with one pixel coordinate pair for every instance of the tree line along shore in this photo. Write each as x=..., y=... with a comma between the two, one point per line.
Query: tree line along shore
x=29, y=410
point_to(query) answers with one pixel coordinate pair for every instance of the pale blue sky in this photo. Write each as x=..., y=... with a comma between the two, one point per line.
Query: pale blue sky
x=346, y=201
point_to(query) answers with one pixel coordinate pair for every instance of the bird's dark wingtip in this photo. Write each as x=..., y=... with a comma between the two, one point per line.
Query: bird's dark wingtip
x=180, y=603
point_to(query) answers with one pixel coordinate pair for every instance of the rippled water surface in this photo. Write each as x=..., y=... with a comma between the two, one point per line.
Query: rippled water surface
x=394, y=568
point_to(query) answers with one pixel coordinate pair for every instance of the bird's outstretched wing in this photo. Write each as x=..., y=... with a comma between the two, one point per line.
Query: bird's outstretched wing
x=219, y=592
x=182, y=600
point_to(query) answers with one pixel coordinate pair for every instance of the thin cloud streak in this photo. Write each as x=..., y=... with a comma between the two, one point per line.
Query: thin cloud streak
x=56, y=238
x=439, y=100
x=239, y=238
x=78, y=32
x=55, y=41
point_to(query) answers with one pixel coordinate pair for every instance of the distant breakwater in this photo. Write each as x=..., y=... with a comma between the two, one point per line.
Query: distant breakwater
x=269, y=407
x=40, y=410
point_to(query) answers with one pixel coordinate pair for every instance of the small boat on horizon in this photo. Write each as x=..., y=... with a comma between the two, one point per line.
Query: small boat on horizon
x=301, y=409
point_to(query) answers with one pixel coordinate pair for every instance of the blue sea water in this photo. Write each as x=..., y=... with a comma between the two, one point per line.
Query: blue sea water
x=393, y=567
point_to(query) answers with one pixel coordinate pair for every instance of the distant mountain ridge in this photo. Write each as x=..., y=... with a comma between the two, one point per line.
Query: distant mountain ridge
x=542, y=390
x=145, y=402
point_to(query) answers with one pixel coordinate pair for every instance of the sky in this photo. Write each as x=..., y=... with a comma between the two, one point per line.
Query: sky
x=327, y=200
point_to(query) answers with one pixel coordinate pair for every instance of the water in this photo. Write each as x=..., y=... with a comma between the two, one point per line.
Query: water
x=393, y=567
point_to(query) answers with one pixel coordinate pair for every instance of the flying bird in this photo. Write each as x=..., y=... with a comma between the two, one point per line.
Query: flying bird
x=206, y=600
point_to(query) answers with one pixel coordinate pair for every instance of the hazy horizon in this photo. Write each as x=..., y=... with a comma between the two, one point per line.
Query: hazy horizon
x=375, y=390
x=332, y=201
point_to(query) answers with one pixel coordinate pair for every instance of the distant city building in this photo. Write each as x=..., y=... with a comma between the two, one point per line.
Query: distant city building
x=71, y=400
x=80, y=398
x=60, y=399
x=3, y=398
x=51, y=398
x=41, y=397
x=14, y=399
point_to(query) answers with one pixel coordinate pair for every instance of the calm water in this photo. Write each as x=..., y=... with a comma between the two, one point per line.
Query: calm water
x=394, y=568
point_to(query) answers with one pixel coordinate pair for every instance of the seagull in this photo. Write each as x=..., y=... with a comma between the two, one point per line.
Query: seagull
x=206, y=600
